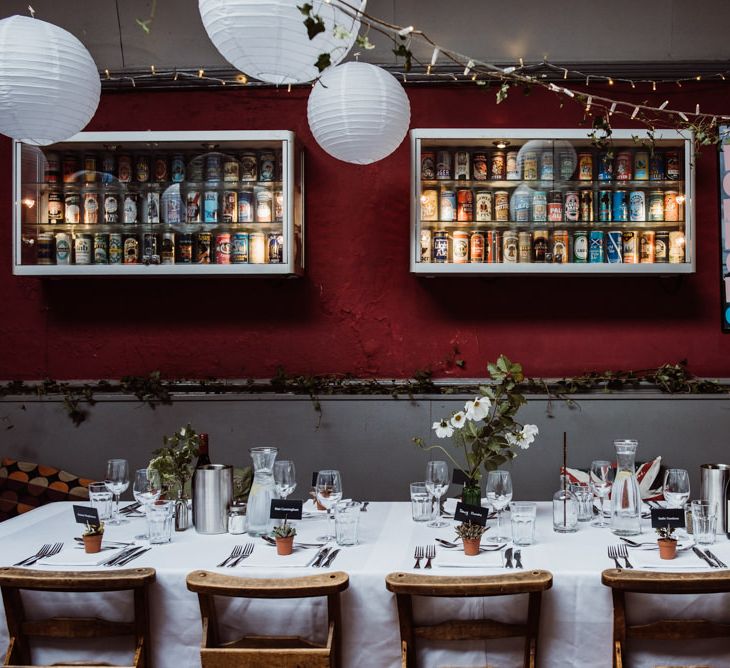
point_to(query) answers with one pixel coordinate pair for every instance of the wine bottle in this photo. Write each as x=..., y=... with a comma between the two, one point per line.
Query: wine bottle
x=203, y=453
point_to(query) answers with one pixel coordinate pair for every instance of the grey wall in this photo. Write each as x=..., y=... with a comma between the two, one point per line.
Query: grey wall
x=367, y=438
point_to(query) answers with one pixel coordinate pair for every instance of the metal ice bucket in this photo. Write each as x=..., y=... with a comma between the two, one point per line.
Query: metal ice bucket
x=212, y=495
x=713, y=486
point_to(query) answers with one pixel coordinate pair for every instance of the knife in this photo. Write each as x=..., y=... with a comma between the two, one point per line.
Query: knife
x=122, y=555
x=702, y=555
x=721, y=564
x=139, y=553
x=518, y=558
x=318, y=555
x=330, y=559
x=322, y=556
x=508, y=558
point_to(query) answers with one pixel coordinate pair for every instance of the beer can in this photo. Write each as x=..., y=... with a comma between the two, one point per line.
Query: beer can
x=239, y=248
x=595, y=246
x=521, y=201
x=185, y=248
x=476, y=246
x=673, y=168
x=620, y=206
x=460, y=247
x=267, y=165
x=142, y=168
x=572, y=206
x=213, y=167
x=676, y=247
x=70, y=167
x=641, y=165
x=546, y=166
x=440, y=247
x=159, y=169
x=630, y=241
x=230, y=207
x=604, y=205
x=429, y=204
x=566, y=164
x=167, y=252
x=464, y=205
x=560, y=247
x=210, y=206
x=425, y=237
x=512, y=166
x=45, y=248
x=587, y=214
x=529, y=166
x=72, y=208
x=82, y=249
x=637, y=206
x=656, y=206
x=150, y=252
x=124, y=168
x=130, y=208
x=479, y=167
x=263, y=205
x=195, y=168
x=101, y=248
x=539, y=245
x=131, y=249
x=116, y=248
x=256, y=248
x=275, y=248
x=447, y=205
x=647, y=247
x=177, y=168
x=605, y=166
x=52, y=168
x=484, y=206
x=201, y=247
x=231, y=173
x=510, y=247
x=498, y=168
x=55, y=206
x=91, y=208
x=656, y=166
x=661, y=247
x=461, y=166
x=524, y=246
x=428, y=165
x=278, y=205
x=580, y=246
x=249, y=166
x=494, y=246
x=555, y=207
x=90, y=168
x=614, y=246
x=172, y=204
x=501, y=205
x=108, y=167
x=63, y=248
x=622, y=166
x=192, y=206
x=443, y=165
x=539, y=206
x=671, y=206
x=585, y=166
x=223, y=248
x=245, y=205
x=151, y=208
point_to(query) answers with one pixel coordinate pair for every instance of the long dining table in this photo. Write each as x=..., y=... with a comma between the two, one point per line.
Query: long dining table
x=576, y=622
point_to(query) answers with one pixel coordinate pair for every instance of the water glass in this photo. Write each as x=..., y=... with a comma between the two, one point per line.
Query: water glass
x=421, y=506
x=584, y=494
x=160, y=521
x=704, y=522
x=523, y=515
x=347, y=515
x=101, y=499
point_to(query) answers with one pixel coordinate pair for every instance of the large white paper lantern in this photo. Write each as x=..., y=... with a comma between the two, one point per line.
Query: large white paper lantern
x=267, y=39
x=49, y=83
x=358, y=113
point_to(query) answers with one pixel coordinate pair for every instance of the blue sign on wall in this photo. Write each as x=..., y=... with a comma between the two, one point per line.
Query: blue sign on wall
x=725, y=224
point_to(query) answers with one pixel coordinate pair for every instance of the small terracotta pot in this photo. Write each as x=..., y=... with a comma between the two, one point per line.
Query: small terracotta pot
x=92, y=544
x=285, y=546
x=471, y=546
x=667, y=548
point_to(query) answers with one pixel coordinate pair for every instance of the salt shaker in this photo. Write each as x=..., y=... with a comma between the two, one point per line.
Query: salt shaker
x=237, y=518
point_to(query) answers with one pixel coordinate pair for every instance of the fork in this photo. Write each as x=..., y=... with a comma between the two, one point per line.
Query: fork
x=623, y=552
x=235, y=552
x=613, y=554
x=430, y=554
x=245, y=554
x=418, y=555
x=55, y=549
x=44, y=548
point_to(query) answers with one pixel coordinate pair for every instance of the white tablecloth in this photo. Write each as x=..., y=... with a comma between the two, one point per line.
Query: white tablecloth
x=576, y=614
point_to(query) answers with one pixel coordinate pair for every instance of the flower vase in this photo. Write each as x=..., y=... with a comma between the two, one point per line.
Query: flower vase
x=471, y=546
x=182, y=513
x=667, y=548
x=285, y=546
x=472, y=494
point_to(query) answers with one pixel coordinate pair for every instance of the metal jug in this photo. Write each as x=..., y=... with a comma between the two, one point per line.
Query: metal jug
x=212, y=495
x=713, y=487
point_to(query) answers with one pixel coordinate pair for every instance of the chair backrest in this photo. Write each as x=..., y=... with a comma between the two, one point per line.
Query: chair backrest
x=406, y=585
x=21, y=629
x=622, y=582
x=268, y=651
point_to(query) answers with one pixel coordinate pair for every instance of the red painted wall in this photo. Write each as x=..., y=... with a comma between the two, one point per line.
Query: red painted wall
x=358, y=309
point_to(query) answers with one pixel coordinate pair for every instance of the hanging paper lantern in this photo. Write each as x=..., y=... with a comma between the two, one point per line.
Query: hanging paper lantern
x=49, y=84
x=358, y=113
x=267, y=39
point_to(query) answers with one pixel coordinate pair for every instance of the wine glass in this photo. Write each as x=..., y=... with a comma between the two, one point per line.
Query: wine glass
x=601, y=480
x=437, y=482
x=117, y=481
x=676, y=487
x=146, y=489
x=499, y=494
x=285, y=477
x=329, y=492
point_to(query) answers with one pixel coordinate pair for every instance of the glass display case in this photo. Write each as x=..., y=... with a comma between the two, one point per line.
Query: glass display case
x=170, y=203
x=551, y=202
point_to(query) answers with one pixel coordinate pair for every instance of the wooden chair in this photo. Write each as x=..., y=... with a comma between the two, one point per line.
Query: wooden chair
x=406, y=585
x=21, y=629
x=646, y=582
x=268, y=651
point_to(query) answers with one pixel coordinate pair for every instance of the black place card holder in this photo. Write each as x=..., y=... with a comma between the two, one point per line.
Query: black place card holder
x=314, y=478
x=283, y=509
x=86, y=515
x=667, y=517
x=473, y=514
x=458, y=477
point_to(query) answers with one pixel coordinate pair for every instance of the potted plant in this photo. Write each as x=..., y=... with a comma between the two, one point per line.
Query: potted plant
x=471, y=535
x=667, y=543
x=92, y=537
x=284, y=536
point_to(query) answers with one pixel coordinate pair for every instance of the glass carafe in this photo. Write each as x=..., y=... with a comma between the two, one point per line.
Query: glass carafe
x=263, y=489
x=625, y=494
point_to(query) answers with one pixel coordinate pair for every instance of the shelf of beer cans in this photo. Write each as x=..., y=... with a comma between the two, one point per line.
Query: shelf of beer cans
x=550, y=202
x=130, y=203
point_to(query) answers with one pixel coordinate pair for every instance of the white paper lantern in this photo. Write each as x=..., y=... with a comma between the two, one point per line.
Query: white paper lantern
x=267, y=39
x=49, y=84
x=358, y=113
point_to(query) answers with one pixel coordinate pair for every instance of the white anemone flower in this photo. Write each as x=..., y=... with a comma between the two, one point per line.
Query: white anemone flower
x=523, y=438
x=478, y=409
x=458, y=420
x=443, y=429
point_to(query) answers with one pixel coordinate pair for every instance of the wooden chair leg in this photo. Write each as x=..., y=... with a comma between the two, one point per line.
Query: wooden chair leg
x=19, y=649
x=334, y=615
x=405, y=621
x=533, y=629
x=142, y=622
x=619, y=627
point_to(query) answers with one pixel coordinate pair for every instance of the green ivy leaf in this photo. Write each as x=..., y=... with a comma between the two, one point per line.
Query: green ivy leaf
x=314, y=25
x=364, y=43
x=401, y=51
x=306, y=8
x=502, y=93
x=323, y=62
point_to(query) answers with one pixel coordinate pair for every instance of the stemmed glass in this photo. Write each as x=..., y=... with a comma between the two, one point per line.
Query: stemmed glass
x=117, y=481
x=601, y=480
x=499, y=494
x=437, y=482
x=676, y=487
x=285, y=477
x=329, y=492
x=146, y=489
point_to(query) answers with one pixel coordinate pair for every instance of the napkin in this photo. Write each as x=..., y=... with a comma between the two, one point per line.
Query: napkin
x=266, y=557
x=76, y=557
x=457, y=559
x=682, y=544
x=683, y=561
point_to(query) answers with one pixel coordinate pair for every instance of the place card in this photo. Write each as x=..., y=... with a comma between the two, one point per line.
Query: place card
x=474, y=514
x=85, y=515
x=458, y=477
x=282, y=509
x=667, y=517
x=314, y=478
